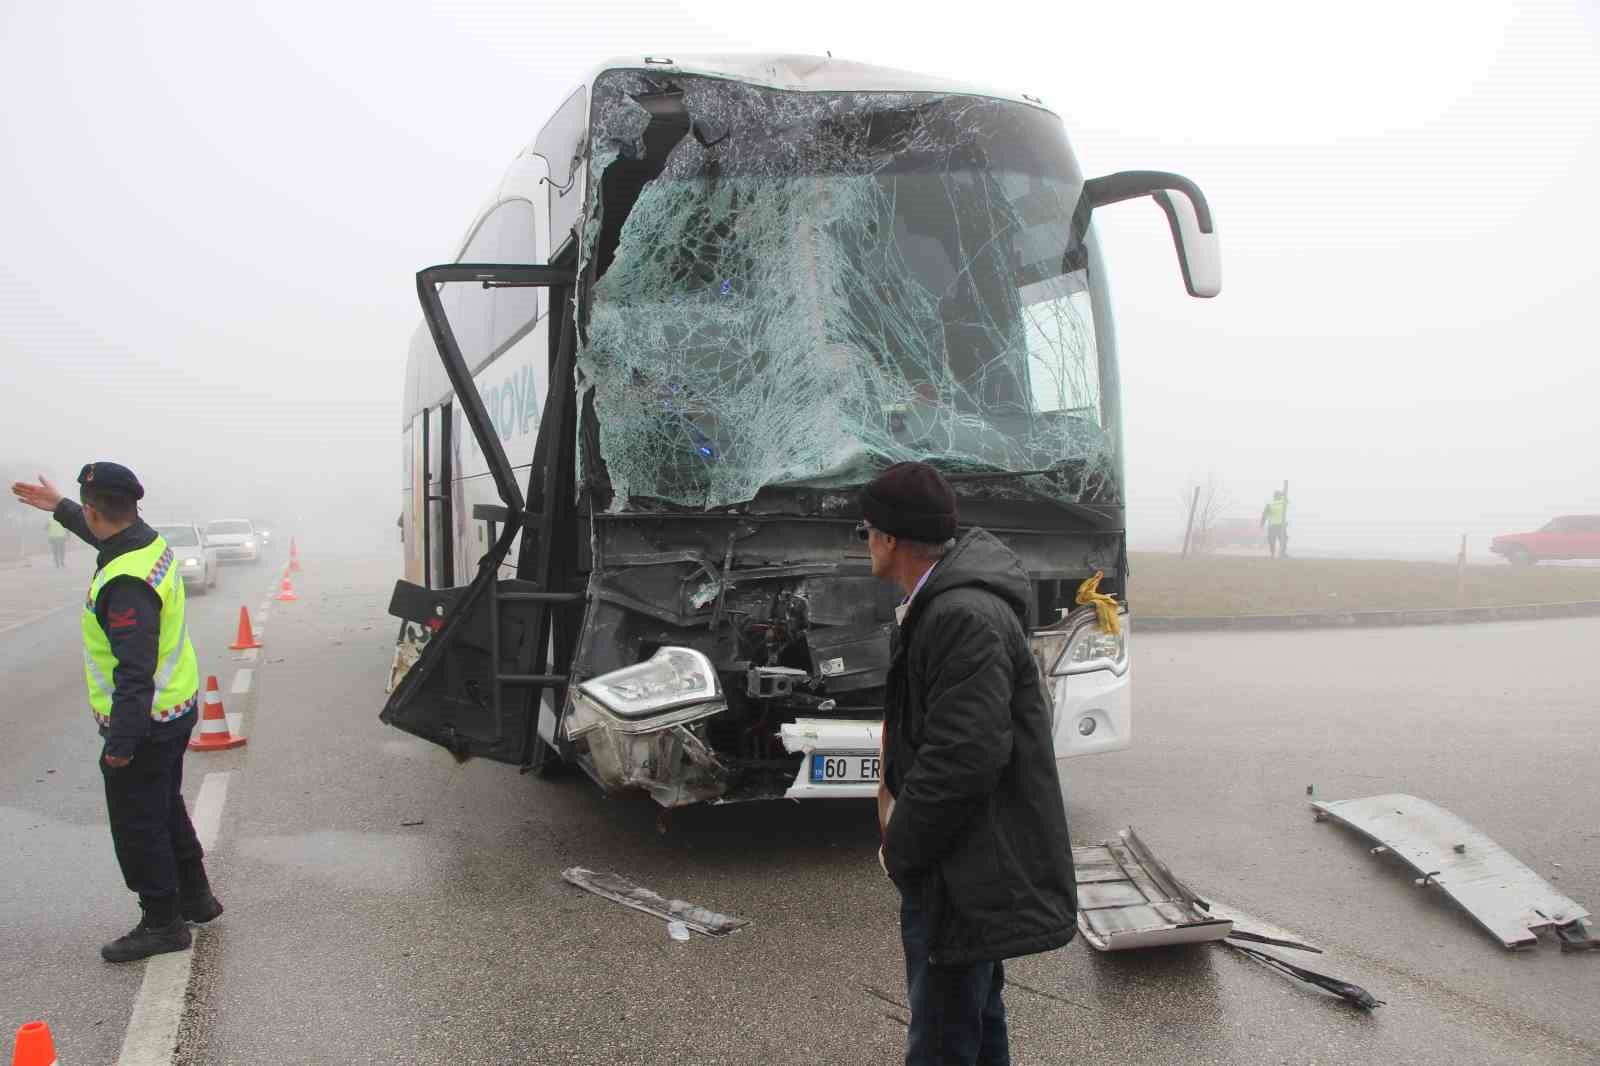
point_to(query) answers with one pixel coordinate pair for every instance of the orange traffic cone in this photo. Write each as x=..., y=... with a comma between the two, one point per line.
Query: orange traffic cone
x=246, y=638
x=34, y=1046
x=286, y=593
x=294, y=557
x=214, y=735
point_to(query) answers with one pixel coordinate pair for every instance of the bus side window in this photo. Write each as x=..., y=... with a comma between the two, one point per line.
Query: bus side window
x=560, y=143
x=487, y=321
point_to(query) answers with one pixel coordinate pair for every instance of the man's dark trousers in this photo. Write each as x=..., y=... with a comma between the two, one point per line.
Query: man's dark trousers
x=156, y=844
x=958, y=1017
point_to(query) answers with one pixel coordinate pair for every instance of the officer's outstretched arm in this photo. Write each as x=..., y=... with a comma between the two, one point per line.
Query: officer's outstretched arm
x=43, y=495
x=70, y=515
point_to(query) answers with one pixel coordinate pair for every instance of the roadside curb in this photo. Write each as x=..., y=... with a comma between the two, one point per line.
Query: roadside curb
x=1369, y=619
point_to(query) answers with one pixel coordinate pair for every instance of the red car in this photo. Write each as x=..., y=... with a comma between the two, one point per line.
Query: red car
x=1573, y=536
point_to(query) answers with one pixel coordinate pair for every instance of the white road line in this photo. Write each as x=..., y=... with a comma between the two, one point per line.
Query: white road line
x=235, y=722
x=208, y=808
x=32, y=618
x=249, y=655
x=241, y=681
x=152, y=1036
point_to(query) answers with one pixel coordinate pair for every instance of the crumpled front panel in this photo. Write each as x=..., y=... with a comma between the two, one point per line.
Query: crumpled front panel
x=814, y=286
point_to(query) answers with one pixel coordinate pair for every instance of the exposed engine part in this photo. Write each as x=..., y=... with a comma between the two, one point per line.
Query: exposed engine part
x=773, y=682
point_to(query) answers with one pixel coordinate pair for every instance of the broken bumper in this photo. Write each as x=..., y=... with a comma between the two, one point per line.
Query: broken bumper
x=841, y=759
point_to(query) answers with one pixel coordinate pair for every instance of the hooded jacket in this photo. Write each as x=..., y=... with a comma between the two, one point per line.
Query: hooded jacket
x=979, y=829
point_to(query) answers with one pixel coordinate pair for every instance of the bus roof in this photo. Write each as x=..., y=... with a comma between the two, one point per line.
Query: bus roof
x=802, y=73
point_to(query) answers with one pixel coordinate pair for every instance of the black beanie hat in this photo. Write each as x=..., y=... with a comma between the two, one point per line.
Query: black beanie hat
x=911, y=500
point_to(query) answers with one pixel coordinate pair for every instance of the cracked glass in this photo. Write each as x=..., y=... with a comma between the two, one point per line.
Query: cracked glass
x=798, y=289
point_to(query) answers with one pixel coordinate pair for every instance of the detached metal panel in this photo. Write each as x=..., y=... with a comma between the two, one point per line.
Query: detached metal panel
x=1504, y=896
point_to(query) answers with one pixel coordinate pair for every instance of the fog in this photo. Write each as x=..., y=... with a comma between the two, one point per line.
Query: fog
x=212, y=215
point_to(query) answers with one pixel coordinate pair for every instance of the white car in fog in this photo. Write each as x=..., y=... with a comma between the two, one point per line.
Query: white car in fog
x=234, y=538
x=195, y=555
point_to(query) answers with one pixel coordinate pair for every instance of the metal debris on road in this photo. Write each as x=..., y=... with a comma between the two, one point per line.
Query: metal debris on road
x=1127, y=898
x=620, y=890
x=1503, y=895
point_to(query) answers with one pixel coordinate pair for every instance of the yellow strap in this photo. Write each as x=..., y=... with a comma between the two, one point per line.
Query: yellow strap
x=1105, y=608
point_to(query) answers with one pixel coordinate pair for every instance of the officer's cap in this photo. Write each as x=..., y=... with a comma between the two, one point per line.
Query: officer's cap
x=111, y=477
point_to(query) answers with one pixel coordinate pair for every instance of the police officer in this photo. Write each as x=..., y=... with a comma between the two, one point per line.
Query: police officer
x=1275, y=516
x=143, y=685
x=58, y=542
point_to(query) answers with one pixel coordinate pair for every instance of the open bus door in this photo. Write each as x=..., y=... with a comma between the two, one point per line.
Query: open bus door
x=485, y=668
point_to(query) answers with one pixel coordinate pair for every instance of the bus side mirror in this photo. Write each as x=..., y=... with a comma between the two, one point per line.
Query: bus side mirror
x=1188, y=215
x=1199, y=253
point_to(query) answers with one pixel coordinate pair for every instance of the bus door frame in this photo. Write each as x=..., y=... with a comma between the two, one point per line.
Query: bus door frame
x=474, y=618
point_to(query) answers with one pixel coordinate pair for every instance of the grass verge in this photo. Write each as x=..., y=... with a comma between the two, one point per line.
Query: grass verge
x=1164, y=584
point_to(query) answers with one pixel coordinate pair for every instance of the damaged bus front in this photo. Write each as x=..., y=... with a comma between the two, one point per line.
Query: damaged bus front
x=768, y=278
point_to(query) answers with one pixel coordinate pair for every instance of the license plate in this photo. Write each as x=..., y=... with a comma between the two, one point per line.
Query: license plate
x=833, y=768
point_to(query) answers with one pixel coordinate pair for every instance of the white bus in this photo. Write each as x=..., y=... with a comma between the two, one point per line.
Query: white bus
x=713, y=297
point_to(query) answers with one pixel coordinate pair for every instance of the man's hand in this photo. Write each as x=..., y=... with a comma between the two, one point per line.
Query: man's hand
x=43, y=495
x=117, y=762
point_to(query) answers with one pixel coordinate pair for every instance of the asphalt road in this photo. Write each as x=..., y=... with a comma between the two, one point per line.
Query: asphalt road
x=388, y=905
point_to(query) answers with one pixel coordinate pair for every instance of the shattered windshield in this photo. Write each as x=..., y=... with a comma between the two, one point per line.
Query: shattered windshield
x=802, y=288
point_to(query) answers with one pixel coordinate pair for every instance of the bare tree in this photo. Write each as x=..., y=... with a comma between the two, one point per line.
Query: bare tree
x=1203, y=503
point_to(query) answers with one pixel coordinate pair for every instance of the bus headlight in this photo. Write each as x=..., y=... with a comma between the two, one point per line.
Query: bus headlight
x=1092, y=648
x=1081, y=649
x=673, y=686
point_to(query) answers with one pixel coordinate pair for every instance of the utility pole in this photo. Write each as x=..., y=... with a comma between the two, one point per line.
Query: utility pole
x=1461, y=573
x=1188, y=530
x=1283, y=549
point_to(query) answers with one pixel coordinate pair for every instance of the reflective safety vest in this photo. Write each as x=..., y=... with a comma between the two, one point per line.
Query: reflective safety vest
x=177, y=671
x=1277, y=511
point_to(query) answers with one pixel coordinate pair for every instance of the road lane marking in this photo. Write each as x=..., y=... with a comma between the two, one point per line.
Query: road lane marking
x=152, y=1036
x=32, y=618
x=208, y=807
x=241, y=681
x=235, y=722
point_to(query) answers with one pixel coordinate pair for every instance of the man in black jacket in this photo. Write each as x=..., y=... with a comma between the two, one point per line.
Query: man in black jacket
x=974, y=827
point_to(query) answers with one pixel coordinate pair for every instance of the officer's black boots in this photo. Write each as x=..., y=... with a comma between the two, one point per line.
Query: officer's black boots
x=161, y=930
x=195, y=901
x=201, y=909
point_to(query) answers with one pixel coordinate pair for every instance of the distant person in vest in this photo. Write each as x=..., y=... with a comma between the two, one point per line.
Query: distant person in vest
x=58, y=542
x=1275, y=516
x=143, y=684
